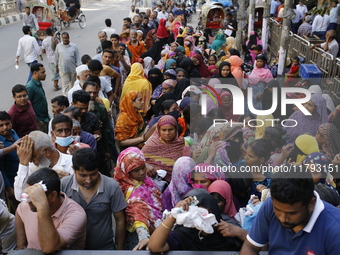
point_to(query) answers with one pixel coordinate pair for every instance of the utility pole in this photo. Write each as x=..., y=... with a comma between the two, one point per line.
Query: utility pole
x=288, y=13
x=251, y=16
x=266, y=16
x=241, y=18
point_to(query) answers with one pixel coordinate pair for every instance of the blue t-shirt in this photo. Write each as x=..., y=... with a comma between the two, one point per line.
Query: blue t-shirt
x=321, y=235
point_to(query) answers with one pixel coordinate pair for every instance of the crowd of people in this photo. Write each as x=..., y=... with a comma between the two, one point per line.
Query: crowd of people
x=128, y=141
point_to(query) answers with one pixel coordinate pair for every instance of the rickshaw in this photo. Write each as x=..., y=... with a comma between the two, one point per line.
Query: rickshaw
x=212, y=16
x=64, y=19
x=44, y=17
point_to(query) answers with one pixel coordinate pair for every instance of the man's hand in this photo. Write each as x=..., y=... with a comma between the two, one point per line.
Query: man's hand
x=25, y=150
x=41, y=58
x=72, y=148
x=62, y=173
x=37, y=196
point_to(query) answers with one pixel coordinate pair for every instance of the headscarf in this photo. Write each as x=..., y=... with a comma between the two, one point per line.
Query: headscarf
x=169, y=83
x=219, y=41
x=137, y=82
x=147, y=65
x=168, y=63
x=202, y=68
x=315, y=89
x=208, y=171
x=230, y=77
x=180, y=87
x=129, y=121
x=213, y=70
x=331, y=137
x=260, y=74
x=155, y=80
x=143, y=198
x=171, y=73
x=228, y=110
x=179, y=182
x=322, y=163
x=236, y=70
x=223, y=188
x=162, y=31
x=307, y=123
x=185, y=102
x=163, y=155
x=231, y=42
x=304, y=145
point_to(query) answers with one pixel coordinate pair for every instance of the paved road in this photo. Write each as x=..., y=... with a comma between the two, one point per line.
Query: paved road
x=86, y=39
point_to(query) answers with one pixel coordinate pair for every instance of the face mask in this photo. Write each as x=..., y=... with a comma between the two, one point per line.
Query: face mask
x=186, y=43
x=137, y=24
x=76, y=138
x=174, y=114
x=64, y=141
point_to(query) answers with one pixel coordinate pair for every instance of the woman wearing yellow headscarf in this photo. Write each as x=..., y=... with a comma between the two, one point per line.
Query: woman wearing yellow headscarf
x=303, y=146
x=136, y=81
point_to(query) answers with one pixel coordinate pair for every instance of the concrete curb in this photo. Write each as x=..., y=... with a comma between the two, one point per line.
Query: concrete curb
x=11, y=19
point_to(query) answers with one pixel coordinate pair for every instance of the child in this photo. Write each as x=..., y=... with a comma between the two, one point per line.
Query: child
x=293, y=73
x=255, y=52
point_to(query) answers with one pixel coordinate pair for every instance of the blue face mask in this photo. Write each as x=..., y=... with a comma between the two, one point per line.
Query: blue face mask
x=64, y=141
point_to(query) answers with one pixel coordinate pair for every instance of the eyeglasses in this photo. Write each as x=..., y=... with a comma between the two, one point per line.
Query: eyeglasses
x=22, y=96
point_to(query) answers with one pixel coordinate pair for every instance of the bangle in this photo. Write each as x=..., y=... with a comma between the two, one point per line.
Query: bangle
x=165, y=226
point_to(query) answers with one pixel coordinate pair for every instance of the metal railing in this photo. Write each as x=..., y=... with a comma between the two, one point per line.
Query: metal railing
x=298, y=46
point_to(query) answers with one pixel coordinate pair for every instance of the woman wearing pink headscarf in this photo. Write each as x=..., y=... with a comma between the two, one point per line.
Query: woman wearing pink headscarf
x=222, y=192
x=236, y=70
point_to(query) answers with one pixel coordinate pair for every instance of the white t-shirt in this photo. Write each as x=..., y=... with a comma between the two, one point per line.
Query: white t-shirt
x=333, y=48
x=46, y=45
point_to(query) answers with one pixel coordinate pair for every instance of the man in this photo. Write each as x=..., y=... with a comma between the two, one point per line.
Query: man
x=333, y=16
x=135, y=47
x=82, y=73
x=231, y=24
x=320, y=24
x=297, y=20
x=111, y=72
x=9, y=161
x=294, y=220
x=48, y=46
x=96, y=68
x=137, y=22
x=331, y=45
x=106, y=45
x=145, y=26
x=302, y=8
x=162, y=14
x=22, y=112
x=88, y=120
x=272, y=8
x=105, y=146
x=124, y=61
x=30, y=20
x=58, y=104
x=37, y=151
x=127, y=21
x=62, y=135
x=28, y=46
x=67, y=58
x=89, y=188
x=109, y=30
x=102, y=36
x=50, y=221
x=148, y=12
x=73, y=6
x=132, y=12
x=36, y=95
x=305, y=29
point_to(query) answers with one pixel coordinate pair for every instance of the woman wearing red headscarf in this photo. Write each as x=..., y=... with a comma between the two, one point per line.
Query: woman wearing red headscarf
x=198, y=62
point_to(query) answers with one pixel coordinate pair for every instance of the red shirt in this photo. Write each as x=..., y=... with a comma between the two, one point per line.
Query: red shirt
x=23, y=120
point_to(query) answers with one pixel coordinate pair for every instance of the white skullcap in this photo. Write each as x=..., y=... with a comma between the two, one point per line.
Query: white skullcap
x=81, y=68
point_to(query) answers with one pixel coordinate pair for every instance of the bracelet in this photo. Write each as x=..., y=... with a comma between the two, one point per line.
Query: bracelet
x=165, y=226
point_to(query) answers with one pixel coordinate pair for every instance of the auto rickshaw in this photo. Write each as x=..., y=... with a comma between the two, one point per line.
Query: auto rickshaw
x=44, y=17
x=212, y=16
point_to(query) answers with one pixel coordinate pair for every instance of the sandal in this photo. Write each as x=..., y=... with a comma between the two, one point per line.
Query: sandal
x=57, y=88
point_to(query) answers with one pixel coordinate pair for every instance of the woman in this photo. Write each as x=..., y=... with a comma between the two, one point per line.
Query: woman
x=148, y=64
x=257, y=80
x=162, y=31
x=168, y=107
x=236, y=70
x=189, y=67
x=223, y=194
x=155, y=77
x=182, y=238
x=224, y=142
x=303, y=146
x=198, y=62
x=227, y=106
x=252, y=42
x=170, y=64
x=142, y=196
x=267, y=99
x=149, y=38
x=136, y=81
x=230, y=43
x=328, y=138
x=179, y=183
x=316, y=106
x=218, y=42
x=203, y=175
x=225, y=73
x=167, y=86
x=165, y=147
x=130, y=123
x=181, y=73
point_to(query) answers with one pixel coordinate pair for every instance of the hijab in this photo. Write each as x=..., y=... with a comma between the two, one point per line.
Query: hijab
x=168, y=63
x=147, y=65
x=331, y=137
x=162, y=31
x=155, y=80
x=304, y=145
x=202, y=68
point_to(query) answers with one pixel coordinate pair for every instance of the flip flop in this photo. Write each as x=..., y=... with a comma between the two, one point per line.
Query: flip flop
x=56, y=89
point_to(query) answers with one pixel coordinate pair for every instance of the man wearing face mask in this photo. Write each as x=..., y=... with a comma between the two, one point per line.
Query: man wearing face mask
x=37, y=151
x=62, y=135
x=135, y=47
